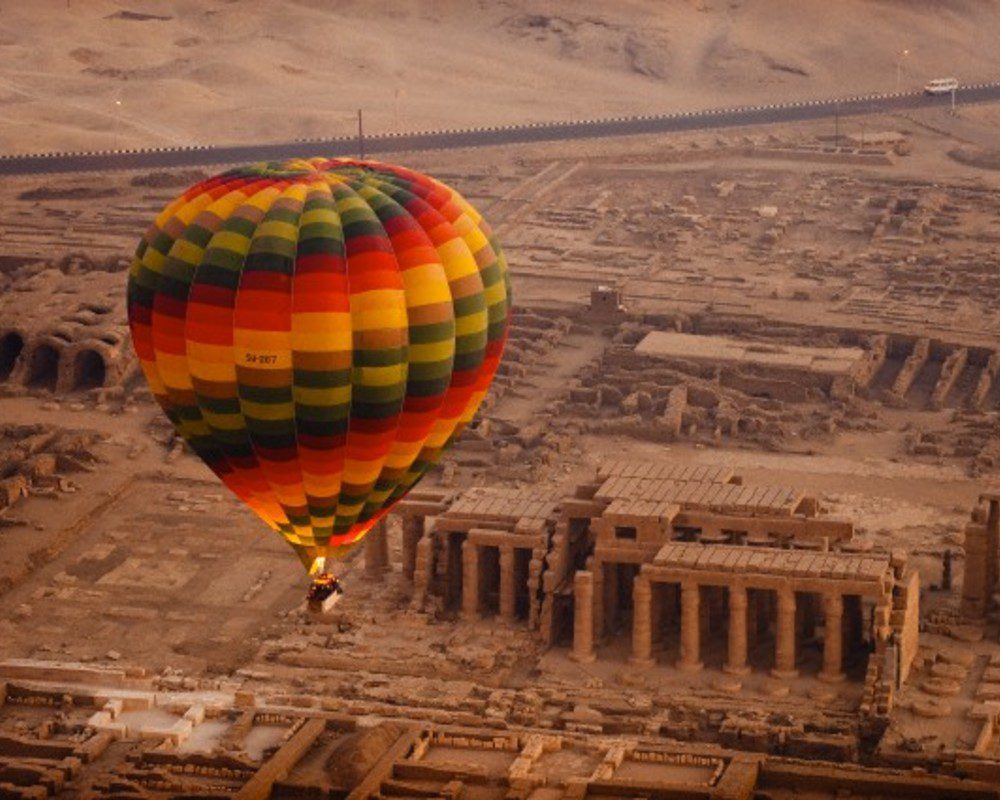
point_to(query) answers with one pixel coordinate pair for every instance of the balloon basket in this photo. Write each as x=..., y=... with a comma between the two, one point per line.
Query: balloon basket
x=322, y=606
x=324, y=593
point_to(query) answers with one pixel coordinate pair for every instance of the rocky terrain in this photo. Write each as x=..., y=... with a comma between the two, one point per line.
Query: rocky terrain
x=815, y=317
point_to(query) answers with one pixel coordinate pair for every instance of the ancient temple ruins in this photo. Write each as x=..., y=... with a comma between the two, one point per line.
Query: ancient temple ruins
x=689, y=565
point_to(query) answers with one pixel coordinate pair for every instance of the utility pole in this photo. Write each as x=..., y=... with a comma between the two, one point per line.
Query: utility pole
x=836, y=124
x=361, y=138
x=118, y=124
x=899, y=68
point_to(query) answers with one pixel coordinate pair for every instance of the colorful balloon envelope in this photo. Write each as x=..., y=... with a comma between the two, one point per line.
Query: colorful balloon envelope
x=319, y=331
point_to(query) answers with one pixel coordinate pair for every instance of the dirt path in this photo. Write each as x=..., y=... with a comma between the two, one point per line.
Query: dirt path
x=547, y=378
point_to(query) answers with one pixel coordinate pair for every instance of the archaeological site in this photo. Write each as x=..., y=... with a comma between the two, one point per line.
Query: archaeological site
x=725, y=527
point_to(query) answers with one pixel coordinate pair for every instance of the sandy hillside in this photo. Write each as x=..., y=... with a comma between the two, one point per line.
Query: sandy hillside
x=89, y=74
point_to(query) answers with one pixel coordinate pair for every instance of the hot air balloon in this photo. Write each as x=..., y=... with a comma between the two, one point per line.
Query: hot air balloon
x=319, y=331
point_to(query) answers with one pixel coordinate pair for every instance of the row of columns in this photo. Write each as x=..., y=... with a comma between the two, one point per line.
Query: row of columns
x=690, y=628
x=471, y=573
x=377, y=562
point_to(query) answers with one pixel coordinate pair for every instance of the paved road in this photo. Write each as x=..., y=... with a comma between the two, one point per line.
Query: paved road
x=478, y=137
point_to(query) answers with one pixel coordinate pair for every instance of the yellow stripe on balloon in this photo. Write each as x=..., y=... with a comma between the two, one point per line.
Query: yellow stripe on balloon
x=456, y=259
x=426, y=285
x=326, y=396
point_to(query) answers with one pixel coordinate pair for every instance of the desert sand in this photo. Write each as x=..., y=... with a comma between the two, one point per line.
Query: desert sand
x=154, y=638
x=93, y=75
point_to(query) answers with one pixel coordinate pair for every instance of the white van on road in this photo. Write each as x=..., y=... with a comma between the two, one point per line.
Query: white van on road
x=941, y=86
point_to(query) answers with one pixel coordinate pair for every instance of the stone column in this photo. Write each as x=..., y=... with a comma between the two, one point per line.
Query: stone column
x=736, y=663
x=597, y=575
x=975, y=584
x=833, y=638
x=413, y=531
x=784, y=641
x=507, y=591
x=583, y=617
x=642, y=630
x=470, y=579
x=534, y=582
x=377, y=551
x=690, y=627
x=423, y=571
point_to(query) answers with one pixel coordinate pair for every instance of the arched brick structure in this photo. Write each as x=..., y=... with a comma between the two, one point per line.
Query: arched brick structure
x=48, y=362
x=94, y=362
x=76, y=342
x=89, y=370
x=42, y=365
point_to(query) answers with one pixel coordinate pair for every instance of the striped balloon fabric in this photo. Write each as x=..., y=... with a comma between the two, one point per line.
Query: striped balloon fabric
x=319, y=331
